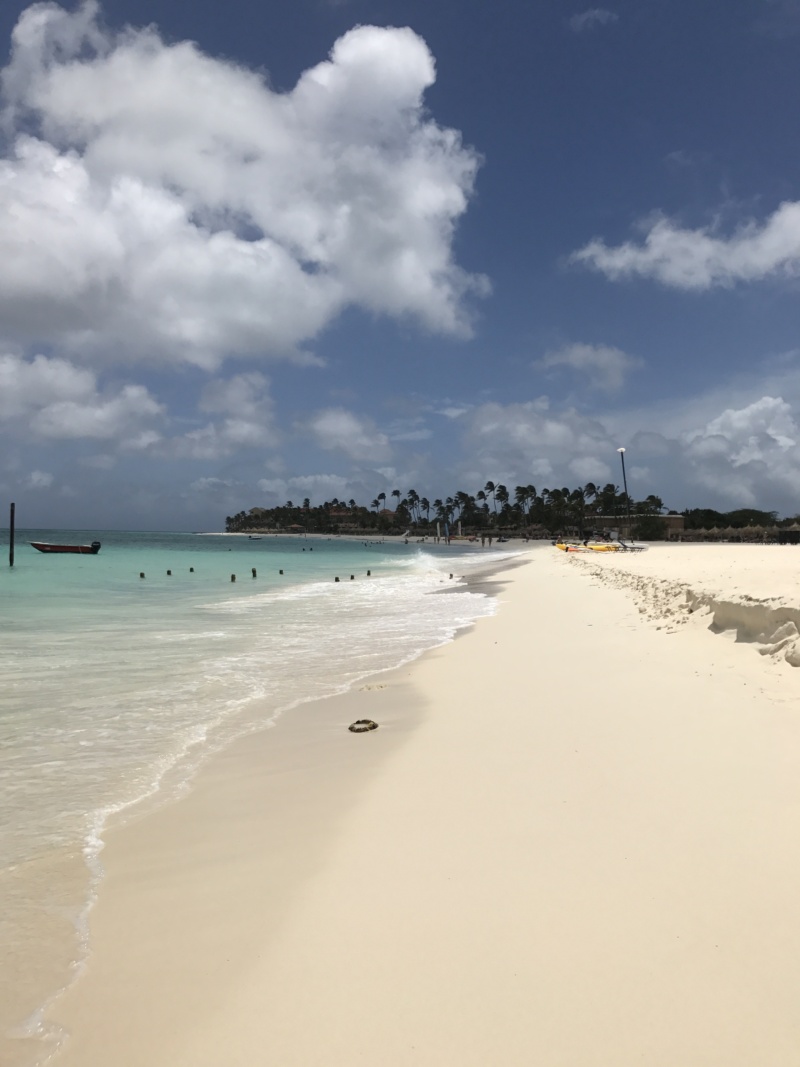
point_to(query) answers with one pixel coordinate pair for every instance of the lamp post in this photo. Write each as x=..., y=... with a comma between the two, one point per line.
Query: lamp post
x=625, y=483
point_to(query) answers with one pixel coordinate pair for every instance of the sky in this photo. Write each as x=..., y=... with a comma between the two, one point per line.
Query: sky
x=252, y=253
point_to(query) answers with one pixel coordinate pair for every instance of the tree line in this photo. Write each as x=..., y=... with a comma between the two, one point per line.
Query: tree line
x=492, y=508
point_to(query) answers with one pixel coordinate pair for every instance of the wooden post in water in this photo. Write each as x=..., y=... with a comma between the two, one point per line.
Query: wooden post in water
x=11, y=536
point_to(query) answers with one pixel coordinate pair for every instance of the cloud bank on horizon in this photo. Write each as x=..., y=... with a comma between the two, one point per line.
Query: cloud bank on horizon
x=172, y=227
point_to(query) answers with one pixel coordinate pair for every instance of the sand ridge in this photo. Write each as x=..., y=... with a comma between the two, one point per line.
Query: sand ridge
x=711, y=595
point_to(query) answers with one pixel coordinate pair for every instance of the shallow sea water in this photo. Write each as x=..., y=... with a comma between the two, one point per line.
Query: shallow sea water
x=116, y=688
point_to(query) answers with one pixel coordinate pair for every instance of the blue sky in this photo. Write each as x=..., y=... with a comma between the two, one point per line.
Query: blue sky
x=320, y=248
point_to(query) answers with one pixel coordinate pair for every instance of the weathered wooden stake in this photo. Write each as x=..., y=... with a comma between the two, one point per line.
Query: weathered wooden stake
x=11, y=536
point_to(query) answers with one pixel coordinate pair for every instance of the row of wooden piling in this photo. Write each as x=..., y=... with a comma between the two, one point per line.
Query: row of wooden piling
x=255, y=575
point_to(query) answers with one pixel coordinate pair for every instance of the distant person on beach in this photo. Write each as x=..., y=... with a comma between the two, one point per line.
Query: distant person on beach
x=483, y=540
x=490, y=540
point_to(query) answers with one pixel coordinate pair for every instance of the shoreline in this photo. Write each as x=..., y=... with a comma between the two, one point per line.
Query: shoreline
x=460, y=885
x=297, y=750
x=77, y=871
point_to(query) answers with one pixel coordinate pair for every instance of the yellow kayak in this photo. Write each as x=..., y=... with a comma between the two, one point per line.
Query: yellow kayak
x=587, y=548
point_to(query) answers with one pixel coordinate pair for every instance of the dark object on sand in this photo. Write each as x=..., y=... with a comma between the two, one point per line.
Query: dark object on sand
x=83, y=550
x=361, y=726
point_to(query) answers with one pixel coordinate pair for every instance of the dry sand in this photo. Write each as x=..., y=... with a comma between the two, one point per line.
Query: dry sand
x=573, y=842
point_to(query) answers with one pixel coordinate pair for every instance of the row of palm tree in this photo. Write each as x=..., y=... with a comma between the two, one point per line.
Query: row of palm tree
x=491, y=507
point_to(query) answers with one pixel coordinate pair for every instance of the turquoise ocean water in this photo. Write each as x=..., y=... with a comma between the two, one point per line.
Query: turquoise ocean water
x=115, y=688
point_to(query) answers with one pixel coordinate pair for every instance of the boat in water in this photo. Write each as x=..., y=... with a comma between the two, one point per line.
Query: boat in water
x=81, y=550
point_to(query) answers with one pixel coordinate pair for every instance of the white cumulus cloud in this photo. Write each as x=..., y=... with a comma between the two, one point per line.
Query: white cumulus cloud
x=517, y=443
x=700, y=259
x=248, y=408
x=602, y=366
x=97, y=417
x=29, y=385
x=156, y=202
x=748, y=452
x=595, y=16
x=60, y=401
x=322, y=486
x=40, y=480
x=357, y=436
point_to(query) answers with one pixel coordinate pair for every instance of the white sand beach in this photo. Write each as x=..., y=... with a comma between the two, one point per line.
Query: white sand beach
x=572, y=841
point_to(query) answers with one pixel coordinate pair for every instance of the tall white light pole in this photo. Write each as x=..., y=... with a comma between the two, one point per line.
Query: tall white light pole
x=625, y=483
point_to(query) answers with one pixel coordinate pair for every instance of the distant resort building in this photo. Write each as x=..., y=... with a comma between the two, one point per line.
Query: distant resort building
x=673, y=525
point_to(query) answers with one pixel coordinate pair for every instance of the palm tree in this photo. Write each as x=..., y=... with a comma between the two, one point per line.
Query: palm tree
x=382, y=496
x=396, y=494
x=653, y=505
x=608, y=498
x=525, y=496
x=425, y=505
x=413, y=502
x=463, y=503
x=490, y=488
x=441, y=510
x=577, y=500
x=590, y=493
x=376, y=504
x=532, y=499
x=554, y=502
